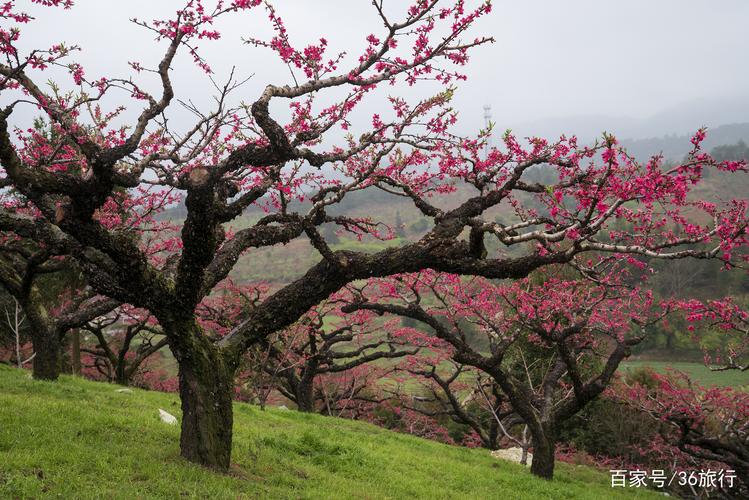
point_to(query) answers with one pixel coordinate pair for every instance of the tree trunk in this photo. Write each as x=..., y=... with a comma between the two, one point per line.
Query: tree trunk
x=44, y=337
x=544, y=446
x=75, y=352
x=16, y=326
x=47, y=357
x=121, y=376
x=123, y=372
x=305, y=396
x=206, y=417
x=525, y=446
x=205, y=388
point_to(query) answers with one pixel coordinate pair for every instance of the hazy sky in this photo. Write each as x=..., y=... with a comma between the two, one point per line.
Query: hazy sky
x=552, y=58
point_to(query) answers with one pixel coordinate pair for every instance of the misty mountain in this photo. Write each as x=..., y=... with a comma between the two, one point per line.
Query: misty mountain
x=674, y=146
x=677, y=121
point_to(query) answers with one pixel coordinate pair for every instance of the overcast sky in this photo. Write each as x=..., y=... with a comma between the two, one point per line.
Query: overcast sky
x=615, y=58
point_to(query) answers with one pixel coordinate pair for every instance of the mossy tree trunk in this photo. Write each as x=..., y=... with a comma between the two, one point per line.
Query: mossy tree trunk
x=544, y=445
x=207, y=417
x=121, y=376
x=206, y=385
x=47, y=359
x=44, y=338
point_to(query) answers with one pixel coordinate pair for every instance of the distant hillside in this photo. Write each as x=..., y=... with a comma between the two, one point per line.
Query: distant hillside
x=674, y=147
x=681, y=119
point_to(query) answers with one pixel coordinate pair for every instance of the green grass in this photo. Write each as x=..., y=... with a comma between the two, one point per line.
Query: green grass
x=80, y=439
x=698, y=372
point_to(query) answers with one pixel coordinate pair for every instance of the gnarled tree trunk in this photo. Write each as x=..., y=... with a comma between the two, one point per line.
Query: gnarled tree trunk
x=121, y=375
x=205, y=388
x=47, y=358
x=305, y=400
x=207, y=417
x=44, y=338
x=544, y=445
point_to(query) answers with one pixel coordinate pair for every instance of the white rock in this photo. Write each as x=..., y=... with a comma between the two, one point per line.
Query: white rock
x=282, y=407
x=511, y=454
x=128, y=391
x=167, y=418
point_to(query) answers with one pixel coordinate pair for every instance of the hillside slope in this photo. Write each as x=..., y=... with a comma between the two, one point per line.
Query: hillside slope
x=81, y=439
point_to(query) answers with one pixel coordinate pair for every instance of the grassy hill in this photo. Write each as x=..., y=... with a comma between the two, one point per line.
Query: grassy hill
x=82, y=439
x=698, y=372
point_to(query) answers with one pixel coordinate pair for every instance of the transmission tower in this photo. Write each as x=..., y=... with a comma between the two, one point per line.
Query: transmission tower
x=487, y=122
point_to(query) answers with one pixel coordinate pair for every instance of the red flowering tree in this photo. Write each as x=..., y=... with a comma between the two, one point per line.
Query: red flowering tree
x=584, y=329
x=731, y=319
x=355, y=393
x=306, y=358
x=299, y=169
x=461, y=393
x=36, y=259
x=124, y=340
x=709, y=424
x=23, y=264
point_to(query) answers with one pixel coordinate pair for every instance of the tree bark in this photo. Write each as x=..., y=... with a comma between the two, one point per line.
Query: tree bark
x=207, y=417
x=205, y=387
x=75, y=351
x=44, y=337
x=121, y=376
x=305, y=396
x=47, y=349
x=544, y=445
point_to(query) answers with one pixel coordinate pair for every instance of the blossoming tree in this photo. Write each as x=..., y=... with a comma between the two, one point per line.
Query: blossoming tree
x=298, y=169
x=327, y=342
x=124, y=340
x=23, y=264
x=584, y=330
x=709, y=424
x=732, y=320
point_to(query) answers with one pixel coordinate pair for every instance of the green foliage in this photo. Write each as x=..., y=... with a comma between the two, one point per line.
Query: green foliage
x=607, y=427
x=81, y=439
